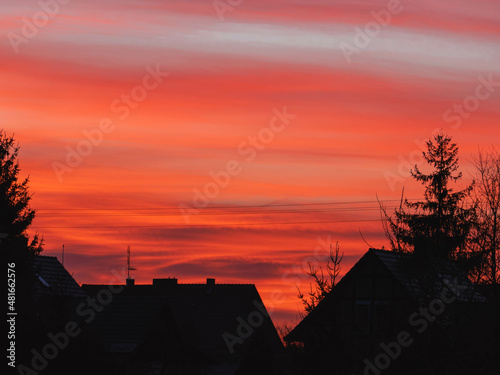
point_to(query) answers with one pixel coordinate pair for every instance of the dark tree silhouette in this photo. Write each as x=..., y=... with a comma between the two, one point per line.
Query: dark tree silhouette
x=16, y=214
x=440, y=225
x=322, y=284
x=487, y=196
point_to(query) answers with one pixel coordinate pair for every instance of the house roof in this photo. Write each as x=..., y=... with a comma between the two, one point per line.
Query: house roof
x=201, y=313
x=422, y=282
x=211, y=309
x=124, y=323
x=416, y=278
x=52, y=278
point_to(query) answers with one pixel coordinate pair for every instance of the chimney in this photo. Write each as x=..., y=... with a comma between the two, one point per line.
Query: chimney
x=161, y=283
x=130, y=282
x=210, y=281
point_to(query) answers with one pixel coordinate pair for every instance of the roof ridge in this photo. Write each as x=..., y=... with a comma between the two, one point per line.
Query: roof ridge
x=388, y=251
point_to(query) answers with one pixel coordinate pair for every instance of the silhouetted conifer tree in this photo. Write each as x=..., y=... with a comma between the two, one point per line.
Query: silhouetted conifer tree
x=438, y=226
x=16, y=214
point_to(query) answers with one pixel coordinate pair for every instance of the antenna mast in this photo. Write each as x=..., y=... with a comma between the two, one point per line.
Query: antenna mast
x=128, y=263
x=63, y=256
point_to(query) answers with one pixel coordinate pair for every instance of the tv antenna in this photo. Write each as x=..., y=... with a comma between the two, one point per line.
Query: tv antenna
x=128, y=263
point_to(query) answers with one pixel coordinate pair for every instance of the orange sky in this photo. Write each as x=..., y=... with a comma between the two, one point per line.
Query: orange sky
x=171, y=92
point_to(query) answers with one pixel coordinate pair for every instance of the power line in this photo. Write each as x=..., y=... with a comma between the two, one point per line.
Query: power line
x=217, y=207
x=217, y=211
x=211, y=213
x=210, y=225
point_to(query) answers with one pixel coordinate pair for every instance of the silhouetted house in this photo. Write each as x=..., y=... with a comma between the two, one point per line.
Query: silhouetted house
x=52, y=279
x=431, y=310
x=43, y=276
x=54, y=293
x=46, y=300
x=172, y=328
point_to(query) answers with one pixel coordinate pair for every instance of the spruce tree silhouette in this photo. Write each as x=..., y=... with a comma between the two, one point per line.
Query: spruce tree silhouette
x=439, y=226
x=16, y=214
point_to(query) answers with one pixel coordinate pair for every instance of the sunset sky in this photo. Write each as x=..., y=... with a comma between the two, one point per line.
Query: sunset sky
x=303, y=111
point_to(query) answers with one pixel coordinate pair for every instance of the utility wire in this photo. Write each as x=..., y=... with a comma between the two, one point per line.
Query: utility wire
x=217, y=207
x=334, y=207
x=212, y=225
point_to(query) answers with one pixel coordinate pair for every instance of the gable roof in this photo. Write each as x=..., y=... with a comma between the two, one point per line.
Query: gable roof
x=51, y=278
x=199, y=314
x=212, y=310
x=426, y=281
x=421, y=282
x=124, y=323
